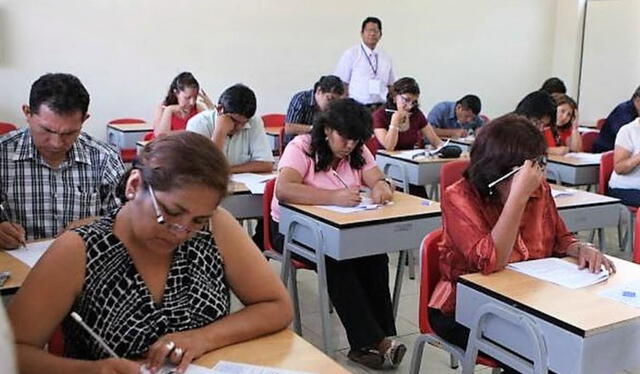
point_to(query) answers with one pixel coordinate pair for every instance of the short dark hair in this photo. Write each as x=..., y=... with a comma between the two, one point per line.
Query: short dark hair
x=329, y=84
x=351, y=120
x=501, y=145
x=162, y=163
x=179, y=83
x=375, y=20
x=537, y=105
x=636, y=94
x=238, y=99
x=471, y=102
x=554, y=85
x=62, y=93
x=402, y=86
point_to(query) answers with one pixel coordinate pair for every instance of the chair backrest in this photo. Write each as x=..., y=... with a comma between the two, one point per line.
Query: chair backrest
x=450, y=173
x=588, y=139
x=429, y=276
x=606, y=169
x=56, y=342
x=148, y=136
x=6, y=127
x=372, y=144
x=600, y=123
x=126, y=120
x=273, y=120
x=266, y=213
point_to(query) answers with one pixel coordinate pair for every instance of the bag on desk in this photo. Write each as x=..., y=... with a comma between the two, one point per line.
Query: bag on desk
x=450, y=151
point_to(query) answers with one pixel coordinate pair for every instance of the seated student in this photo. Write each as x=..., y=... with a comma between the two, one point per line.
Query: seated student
x=328, y=167
x=180, y=104
x=625, y=180
x=147, y=278
x=554, y=85
x=565, y=131
x=51, y=172
x=624, y=113
x=305, y=104
x=486, y=229
x=236, y=131
x=456, y=119
x=539, y=107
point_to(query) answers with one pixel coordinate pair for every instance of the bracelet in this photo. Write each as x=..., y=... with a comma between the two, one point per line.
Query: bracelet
x=388, y=181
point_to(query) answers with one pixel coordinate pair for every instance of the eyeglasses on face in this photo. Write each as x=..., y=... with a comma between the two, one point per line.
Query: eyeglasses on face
x=175, y=227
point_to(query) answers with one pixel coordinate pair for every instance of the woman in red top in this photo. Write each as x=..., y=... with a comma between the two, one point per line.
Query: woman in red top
x=517, y=220
x=180, y=104
x=565, y=133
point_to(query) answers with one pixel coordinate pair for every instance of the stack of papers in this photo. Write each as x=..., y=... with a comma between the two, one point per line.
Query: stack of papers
x=628, y=294
x=560, y=272
x=562, y=192
x=254, y=182
x=32, y=252
x=588, y=157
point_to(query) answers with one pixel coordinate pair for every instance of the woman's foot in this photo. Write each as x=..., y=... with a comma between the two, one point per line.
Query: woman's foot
x=387, y=355
x=369, y=357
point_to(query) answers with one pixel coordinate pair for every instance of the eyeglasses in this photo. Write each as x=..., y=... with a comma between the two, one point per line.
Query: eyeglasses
x=171, y=226
x=409, y=101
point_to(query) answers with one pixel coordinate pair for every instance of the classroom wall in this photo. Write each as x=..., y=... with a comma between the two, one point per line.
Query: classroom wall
x=126, y=52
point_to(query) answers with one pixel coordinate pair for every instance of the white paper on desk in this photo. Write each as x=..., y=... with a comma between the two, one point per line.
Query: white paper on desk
x=409, y=155
x=32, y=252
x=628, y=294
x=562, y=192
x=227, y=367
x=249, y=178
x=560, y=272
x=365, y=204
x=588, y=157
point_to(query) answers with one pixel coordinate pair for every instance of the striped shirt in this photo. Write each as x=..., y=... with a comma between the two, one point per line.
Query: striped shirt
x=301, y=110
x=45, y=200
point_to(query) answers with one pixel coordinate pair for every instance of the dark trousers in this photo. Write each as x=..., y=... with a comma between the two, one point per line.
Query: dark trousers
x=359, y=291
x=629, y=196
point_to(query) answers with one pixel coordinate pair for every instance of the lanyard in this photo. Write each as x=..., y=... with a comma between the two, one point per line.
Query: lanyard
x=375, y=70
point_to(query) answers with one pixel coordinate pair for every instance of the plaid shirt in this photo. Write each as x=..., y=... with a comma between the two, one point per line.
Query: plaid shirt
x=45, y=200
x=301, y=110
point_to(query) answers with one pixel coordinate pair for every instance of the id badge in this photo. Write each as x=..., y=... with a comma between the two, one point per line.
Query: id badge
x=374, y=86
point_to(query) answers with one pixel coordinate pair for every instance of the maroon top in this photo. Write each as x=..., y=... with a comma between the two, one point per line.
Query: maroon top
x=406, y=139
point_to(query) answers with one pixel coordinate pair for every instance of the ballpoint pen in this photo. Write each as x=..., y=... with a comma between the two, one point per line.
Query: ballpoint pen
x=4, y=217
x=344, y=183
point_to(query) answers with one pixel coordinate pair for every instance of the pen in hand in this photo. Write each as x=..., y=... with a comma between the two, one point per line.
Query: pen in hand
x=4, y=217
x=344, y=183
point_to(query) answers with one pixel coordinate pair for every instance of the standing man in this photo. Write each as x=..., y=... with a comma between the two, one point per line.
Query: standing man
x=52, y=173
x=453, y=119
x=621, y=115
x=367, y=72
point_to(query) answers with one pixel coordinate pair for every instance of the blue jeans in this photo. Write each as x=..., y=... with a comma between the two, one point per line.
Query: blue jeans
x=629, y=196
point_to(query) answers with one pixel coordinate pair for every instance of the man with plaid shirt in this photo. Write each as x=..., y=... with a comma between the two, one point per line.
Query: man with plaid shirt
x=51, y=173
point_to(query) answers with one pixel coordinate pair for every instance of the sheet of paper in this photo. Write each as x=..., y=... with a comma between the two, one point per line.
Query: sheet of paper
x=32, y=252
x=560, y=272
x=248, y=178
x=365, y=204
x=562, y=192
x=628, y=294
x=227, y=367
x=171, y=369
x=589, y=157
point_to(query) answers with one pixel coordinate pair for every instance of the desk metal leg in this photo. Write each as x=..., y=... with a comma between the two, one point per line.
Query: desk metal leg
x=323, y=300
x=398, y=283
x=601, y=240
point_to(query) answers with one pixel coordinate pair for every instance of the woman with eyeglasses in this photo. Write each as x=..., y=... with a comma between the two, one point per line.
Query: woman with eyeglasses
x=400, y=123
x=329, y=167
x=488, y=225
x=153, y=278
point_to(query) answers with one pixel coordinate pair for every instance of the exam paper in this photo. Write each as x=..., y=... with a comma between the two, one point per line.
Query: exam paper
x=227, y=367
x=628, y=294
x=560, y=272
x=366, y=204
x=562, y=192
x=254, y=182
x=32, y=252
x=589, y=157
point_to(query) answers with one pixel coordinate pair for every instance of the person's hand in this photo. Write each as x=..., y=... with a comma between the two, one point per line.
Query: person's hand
x=347, y=197
x=576, y=122
x=205, y=99
x=381, y=192
x=12, y=235
x=527, y=180
x=400, y=118
x=225, y=124
x=115, y=366
x=178, y=348
x=589, y=256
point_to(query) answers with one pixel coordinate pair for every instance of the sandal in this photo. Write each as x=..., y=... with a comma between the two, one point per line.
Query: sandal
x=368, y=357
x=393, y=355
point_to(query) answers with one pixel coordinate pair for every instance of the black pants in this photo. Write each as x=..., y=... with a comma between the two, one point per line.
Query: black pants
x=359, y=291
x=629, y=196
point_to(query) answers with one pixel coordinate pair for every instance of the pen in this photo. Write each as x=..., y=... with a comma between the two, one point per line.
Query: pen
x=4, y=217
x=340, y=179
x=98, y=339
x=390, y=110
x=504, y=177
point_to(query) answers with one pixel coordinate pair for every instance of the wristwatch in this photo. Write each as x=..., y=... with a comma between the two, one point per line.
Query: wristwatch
x=388, y=181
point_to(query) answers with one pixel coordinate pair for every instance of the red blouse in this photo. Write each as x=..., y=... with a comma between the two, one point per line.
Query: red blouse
x=467, y=245
x=564, y=136
x=178, y=123
x=406, y=139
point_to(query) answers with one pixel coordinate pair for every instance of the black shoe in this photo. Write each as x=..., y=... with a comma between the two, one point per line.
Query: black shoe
x=368, y=357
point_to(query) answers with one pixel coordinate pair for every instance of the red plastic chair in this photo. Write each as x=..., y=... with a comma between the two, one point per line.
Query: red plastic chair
x=6, y=127
x=56, y=342
x=429, y=276
x=600, y=123
x=126, y=120
x=606, y=169
x=450, y=173
x=148, y=136
x=127, y=155
x=273, y=120
x=372, y=144
x=588, y=139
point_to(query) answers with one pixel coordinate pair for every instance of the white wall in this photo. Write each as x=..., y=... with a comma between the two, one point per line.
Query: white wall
x=126, y=52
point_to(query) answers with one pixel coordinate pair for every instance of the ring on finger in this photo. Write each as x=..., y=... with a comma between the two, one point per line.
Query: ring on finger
x=178, y=352
x=170, y=345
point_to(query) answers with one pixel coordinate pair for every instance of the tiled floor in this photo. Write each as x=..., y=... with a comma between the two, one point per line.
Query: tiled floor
x=433, y=360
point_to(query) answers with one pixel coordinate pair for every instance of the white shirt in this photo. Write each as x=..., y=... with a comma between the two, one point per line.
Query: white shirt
x=628, y=138
x=248, y=144
x=7, y=350
x=363, y=68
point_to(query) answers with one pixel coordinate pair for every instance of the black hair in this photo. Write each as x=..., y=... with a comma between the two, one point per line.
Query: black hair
x=536, y=105
x=62, y=93
x=179, y=83
x=636, y=94
x=500, y=145
x=375, y=20
x=471, y=102
x=554, y=85
x=352, y=121
x=238, y=99
x=329, y=84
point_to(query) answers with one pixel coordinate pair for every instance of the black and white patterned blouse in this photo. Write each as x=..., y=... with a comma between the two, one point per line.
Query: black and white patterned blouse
x=117, y=305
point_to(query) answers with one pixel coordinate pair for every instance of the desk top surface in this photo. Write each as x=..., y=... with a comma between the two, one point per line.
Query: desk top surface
x=283, y=349
x=582, y=309
x=581, y=198
x=404, y=207
x=571, y=161
x=19, y=271
x=125, y=127
x=423, y=159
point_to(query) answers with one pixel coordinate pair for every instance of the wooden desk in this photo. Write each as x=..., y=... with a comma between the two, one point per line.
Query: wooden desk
x=273, y=134
x=574, y=171
x=464, y=143
x=582, y=129
x=19, y=271
x=140, y=145
x=314, y=232
x=125, y=136
x=284, y=350
x=583, y=332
